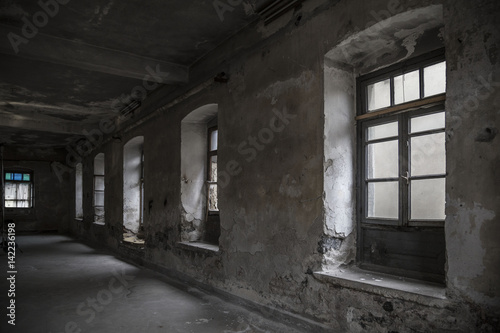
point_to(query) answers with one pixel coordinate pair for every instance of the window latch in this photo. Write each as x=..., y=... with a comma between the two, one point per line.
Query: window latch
x=407, y=177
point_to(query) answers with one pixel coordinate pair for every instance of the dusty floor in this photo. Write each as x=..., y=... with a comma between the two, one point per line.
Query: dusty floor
x=65, y=286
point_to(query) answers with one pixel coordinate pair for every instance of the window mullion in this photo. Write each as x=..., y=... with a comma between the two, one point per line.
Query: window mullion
x=392, y=90
x=17, y=195
x=421, y=82
x=364, y=176
x=403, y=170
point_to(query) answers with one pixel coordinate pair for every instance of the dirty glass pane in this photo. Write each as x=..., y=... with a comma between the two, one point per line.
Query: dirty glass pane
x=99, y=164
x=10, y=191
x=427, y=199
x=17, y=195
x=213, y=201
x=98, y=214
x=99, y=183
x=427, y=122
x=383, y=131
x=213, y=169
x=428, y=154
x=23, y=204
x=214, y=136
x=407, y=87
x=383, y=200
x=379, y=95
x=382, y=159
x=23, y=191
x=99, y=199
x=435, y=79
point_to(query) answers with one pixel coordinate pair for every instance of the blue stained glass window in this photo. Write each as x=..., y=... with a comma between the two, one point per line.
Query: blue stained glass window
x=20, y=177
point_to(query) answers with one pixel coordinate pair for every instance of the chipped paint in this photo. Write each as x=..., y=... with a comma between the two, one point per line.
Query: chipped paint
x=281, y=87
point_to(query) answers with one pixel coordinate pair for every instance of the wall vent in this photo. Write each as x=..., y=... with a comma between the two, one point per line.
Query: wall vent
x=134, y=104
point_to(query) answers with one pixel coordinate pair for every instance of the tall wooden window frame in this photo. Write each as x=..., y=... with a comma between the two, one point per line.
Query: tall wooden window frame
x=402, y=114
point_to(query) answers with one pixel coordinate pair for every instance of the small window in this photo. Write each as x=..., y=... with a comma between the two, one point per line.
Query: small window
x=99, y=188
x=133, y=187
x=404, y=86
x=402, y=176
x=79, y=191
x=18, y=189
x=213, y=201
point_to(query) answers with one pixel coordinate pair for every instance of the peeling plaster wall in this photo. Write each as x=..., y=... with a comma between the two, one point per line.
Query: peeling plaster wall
x=193, y=198
x=276, y=223
x=339, y=165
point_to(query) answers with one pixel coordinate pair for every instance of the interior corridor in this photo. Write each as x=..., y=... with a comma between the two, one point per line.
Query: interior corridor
x=331, y=165
x=65, y=286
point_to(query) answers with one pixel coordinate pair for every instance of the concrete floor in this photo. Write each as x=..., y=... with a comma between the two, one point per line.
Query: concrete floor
x=65, y=286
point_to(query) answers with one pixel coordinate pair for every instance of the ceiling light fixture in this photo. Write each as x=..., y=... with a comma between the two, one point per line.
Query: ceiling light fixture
x=275, y=9
x=130, y=107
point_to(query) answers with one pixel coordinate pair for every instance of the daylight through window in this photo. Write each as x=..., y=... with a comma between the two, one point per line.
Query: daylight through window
x=18, y=189
x=403, y=168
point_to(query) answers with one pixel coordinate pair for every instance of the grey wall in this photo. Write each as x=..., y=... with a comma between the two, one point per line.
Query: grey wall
x=473, y=160
x=276, y=203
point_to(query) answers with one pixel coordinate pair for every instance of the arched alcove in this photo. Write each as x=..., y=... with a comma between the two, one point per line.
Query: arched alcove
x=196, y=222
x=133, y=183
x=383, y=43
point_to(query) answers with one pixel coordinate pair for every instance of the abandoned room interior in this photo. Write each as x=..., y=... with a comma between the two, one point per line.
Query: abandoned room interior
x=250, y=166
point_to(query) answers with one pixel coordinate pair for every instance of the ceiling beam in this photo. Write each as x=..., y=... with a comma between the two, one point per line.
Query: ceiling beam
x=85, y=56
x=22, y=123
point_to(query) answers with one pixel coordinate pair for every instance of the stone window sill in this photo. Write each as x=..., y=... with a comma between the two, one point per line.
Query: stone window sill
x=386, y=285
x=79, y=219
x=134, y=240
x=138, y=248
x=99, y=223
x=199, y=246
